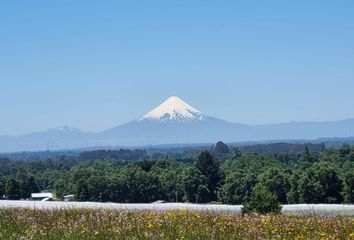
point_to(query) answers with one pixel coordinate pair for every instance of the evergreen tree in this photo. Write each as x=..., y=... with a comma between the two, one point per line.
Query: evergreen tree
x=210, y=169
x=2, y=187
x=293, y=193
x=306, y=160
x=12, y=189
x=237, y=153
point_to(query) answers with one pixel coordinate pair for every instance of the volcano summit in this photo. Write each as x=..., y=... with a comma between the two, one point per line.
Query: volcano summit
x=174, y=121
x=174, y=109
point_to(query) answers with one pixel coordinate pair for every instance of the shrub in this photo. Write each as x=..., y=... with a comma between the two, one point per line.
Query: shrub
x=262, y=201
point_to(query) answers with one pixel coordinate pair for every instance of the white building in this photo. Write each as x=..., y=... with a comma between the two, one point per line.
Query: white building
x=69, y=198
x=42, y=196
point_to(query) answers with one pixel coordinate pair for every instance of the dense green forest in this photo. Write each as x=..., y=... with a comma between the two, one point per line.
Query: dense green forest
x=133, y=176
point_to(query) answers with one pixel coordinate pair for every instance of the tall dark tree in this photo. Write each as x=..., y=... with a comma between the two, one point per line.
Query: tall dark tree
x=210, y=169
x=60, y=188
x=81, y=190
x=307, y=159
x=2, y=187
x=293, y=193
x=12, y=188
x=30, y=186
x=237, y=153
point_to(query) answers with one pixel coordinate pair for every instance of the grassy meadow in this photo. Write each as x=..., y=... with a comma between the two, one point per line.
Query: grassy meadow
x=110, y=224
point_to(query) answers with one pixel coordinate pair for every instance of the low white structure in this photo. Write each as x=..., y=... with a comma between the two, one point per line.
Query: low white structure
x=42, y=196
x=297, y=209
x=69, y=198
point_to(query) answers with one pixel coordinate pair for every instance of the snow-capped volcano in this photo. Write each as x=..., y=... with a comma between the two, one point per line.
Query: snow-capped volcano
x=174, y=109
x=173, y=122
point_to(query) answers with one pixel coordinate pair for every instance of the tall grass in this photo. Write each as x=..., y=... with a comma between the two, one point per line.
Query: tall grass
x=111, y=224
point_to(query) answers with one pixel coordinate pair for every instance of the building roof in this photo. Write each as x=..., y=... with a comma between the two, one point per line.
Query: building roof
x=69, y=196
x=42, y=195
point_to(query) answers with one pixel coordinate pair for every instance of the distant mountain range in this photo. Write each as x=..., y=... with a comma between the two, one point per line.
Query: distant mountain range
x=174, y=122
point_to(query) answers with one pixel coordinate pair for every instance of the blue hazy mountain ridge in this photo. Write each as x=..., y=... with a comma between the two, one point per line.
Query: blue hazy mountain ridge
x=57, y=138
x=174, y=122
x=170, y=132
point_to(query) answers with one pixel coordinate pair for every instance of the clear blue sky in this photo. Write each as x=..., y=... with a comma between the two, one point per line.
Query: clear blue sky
x=98, y=64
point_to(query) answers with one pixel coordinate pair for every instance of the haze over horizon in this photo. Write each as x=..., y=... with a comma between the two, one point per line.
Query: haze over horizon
x=95, y=65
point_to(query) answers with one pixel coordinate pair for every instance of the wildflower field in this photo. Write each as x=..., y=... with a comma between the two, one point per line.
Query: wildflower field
x=110, y=224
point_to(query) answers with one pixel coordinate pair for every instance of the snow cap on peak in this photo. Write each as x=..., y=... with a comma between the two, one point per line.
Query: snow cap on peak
x=64, y=128
x=175, y=109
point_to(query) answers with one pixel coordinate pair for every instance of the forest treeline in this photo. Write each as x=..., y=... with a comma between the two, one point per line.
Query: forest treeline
x=309, y=177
